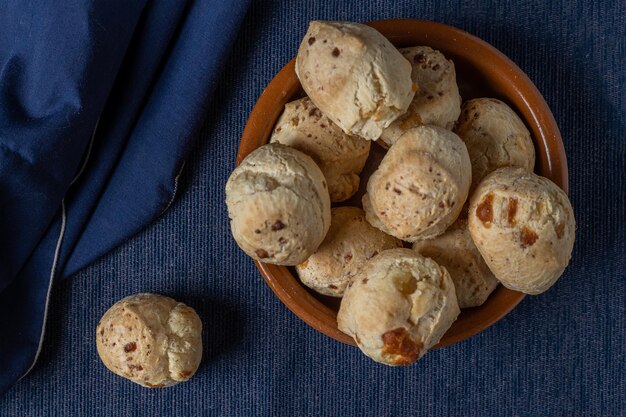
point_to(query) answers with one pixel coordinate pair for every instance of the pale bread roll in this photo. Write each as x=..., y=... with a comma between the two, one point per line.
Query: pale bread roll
x=349, y=243
x=456, y=251
x=420, y=186
x=341, y=157
x=355, y=76
x=398, y=306
x=524, y=227
x=495, y=137
x=278, y=205
x=150, y=339
x=437, y=100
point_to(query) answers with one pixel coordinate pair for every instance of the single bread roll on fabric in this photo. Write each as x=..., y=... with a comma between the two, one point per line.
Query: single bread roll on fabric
x=349, y=243
x=278, y=205
x=524, y=227
x=437, y=101
x=495, y=137
x=341, y=157
x=420, y=186
x=455, y=250
x=398, y=306
x=150, y=339
x=355, y=76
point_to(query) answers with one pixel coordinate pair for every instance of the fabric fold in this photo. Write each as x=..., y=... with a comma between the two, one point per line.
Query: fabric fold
x=143, y=73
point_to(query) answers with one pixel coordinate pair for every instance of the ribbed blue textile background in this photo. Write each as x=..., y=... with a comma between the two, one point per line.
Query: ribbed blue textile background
x=562, y=353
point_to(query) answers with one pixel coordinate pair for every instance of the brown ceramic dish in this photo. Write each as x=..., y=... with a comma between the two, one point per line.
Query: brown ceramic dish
x=482, y=71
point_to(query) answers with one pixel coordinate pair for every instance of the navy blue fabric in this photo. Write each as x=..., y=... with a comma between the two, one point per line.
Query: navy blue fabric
x=143, y=75
x=57, y=65
x=562, y=353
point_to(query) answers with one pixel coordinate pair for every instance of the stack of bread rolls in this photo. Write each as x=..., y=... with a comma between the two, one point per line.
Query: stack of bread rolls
x=452, y=210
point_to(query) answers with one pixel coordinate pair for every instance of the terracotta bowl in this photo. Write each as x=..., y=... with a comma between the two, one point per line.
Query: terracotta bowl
x=482, y=71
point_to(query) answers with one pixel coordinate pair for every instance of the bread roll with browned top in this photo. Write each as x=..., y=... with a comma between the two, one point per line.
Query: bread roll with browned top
x=420, y=185
x=349, y=243
x=455, y=250
x=495, y=137
x=150, y=339
x=341, y=157
x=355, y=76
x=437, y=100
x=524, y=227
x=398, y=306
x=278, y=205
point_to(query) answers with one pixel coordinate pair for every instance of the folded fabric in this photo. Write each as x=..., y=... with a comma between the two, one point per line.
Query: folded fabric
x=99, y=105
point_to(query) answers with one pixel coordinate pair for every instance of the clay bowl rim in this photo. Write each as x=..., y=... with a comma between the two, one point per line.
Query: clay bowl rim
x=529, y=103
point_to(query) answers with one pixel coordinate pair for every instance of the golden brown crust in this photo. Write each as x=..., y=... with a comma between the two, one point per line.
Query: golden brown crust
x=399, y=348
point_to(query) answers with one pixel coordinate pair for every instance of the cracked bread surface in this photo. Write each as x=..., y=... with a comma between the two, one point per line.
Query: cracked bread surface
x=437, y=100
x=398, y=306
x=495, y=137
x=355, y=76
x=278, y=204
x=524, y=227
x=455, y=250
x=349, y=243
x=420, y=185
x=151, y=340
x=340, y=156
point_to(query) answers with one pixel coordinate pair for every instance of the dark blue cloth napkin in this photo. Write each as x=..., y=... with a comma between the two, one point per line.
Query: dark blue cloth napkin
x=99, y=105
